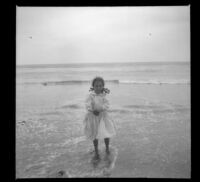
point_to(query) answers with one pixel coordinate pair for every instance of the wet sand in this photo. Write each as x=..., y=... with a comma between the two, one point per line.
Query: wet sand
x=153, y=131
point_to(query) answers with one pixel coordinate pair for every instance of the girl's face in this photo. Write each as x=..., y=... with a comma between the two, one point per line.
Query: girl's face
x=98, y=87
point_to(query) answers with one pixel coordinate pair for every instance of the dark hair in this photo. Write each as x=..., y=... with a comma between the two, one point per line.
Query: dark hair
x=106, y=90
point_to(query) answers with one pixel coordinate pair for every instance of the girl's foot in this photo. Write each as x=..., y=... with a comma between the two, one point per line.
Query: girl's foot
x=107, y=151
x=95, y=160
x=96, y=157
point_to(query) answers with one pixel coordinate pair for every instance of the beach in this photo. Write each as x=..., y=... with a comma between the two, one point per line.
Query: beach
x=149, y=102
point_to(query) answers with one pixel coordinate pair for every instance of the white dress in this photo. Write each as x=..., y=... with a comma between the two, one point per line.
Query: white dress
x=101, y=126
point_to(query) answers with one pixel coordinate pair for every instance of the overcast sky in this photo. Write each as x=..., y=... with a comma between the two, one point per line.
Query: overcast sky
x=47, y=35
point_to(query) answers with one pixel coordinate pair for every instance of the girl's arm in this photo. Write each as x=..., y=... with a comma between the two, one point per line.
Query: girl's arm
x=89, y=103
x=105, y=105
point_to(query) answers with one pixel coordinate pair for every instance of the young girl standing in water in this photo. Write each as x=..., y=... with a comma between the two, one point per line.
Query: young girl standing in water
x=97, y=123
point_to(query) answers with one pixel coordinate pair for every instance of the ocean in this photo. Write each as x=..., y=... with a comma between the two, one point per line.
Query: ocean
x=149, y=102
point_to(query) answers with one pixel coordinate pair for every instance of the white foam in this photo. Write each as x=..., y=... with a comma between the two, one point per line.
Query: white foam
x=73, y=141
x=154, y=81
x=101, y=170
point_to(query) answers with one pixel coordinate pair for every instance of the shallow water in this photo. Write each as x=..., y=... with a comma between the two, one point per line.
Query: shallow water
x=153, y=135
x=153, y=127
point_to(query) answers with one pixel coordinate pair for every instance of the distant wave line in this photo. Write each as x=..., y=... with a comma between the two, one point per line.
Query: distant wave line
x=155, y=82
x=72, y=82
x=118, y=82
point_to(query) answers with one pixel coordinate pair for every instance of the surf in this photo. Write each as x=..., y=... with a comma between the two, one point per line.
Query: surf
x=82, y=164
x=115, y=81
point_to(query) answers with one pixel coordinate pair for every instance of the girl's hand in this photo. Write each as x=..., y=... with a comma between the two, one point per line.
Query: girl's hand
x=95, y=112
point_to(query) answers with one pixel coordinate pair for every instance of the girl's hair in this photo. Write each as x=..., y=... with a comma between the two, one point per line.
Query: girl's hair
x=105, y=90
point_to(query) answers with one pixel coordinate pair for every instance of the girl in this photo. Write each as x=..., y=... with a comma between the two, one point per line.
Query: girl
x=97, y=123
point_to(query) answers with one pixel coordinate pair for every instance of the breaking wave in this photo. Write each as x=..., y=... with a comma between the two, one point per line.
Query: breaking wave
x=69, y=82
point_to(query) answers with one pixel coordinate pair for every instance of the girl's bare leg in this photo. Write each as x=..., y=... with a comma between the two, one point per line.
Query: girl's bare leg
x=107, y=140
x=95, y=142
